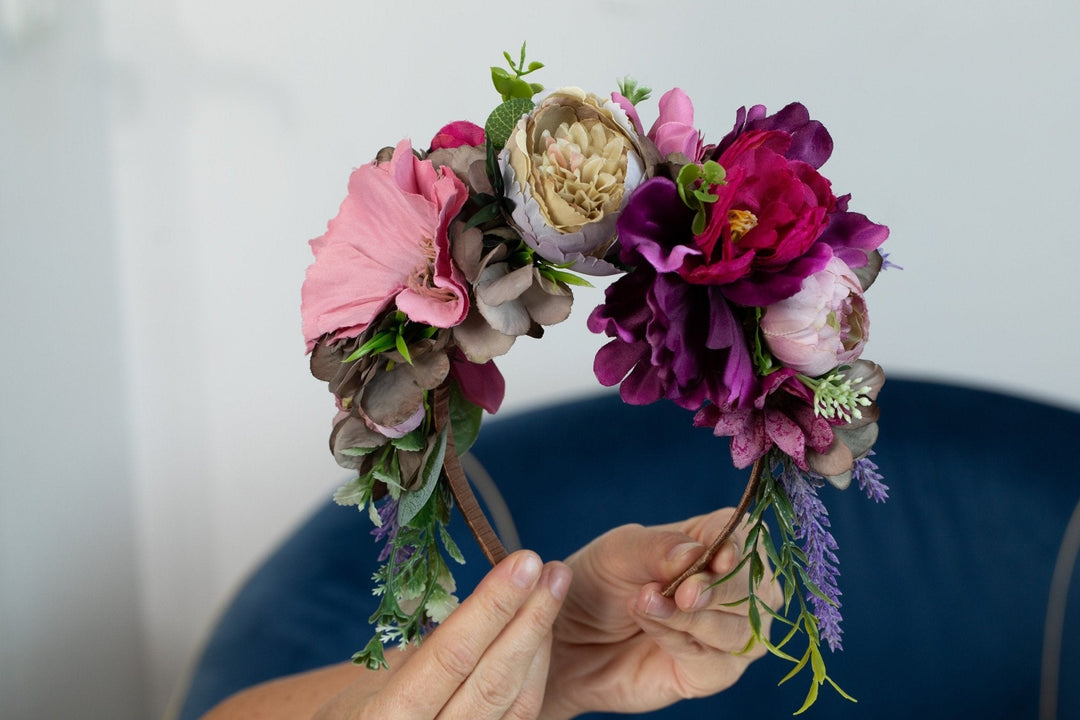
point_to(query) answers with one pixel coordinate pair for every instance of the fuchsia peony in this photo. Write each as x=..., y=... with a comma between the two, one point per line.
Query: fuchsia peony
x=387, y=245
x=823, y=325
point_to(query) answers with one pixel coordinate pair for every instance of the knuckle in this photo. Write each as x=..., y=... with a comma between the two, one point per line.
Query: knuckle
x=494, y=689
x=454, y=660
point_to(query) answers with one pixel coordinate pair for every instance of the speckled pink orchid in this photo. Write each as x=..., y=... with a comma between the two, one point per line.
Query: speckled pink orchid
x=387, y=245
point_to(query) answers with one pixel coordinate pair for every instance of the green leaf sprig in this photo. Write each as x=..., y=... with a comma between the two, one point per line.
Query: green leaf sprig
x=629, y=89
x=513, y=86
x=789, y=563
x=697, y=185
x=397, y=334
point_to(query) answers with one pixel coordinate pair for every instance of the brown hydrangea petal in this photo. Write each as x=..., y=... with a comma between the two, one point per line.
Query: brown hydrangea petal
x=467, y=248
x=353, y=432
x=479, y=341
x=325, y=361
x=547, y=301
x=497, y=298
x=461, y=161
x=393, y=396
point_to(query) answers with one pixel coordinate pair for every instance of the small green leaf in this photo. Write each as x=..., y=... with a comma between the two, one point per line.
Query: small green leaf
x=355, y=492
x=811, y=698
x=358, y=451
x=403, y=348
x=451, y=547
x=487, y=213
x=755, y=618
x=840, y=690
x=817, y=663
x=413, y=442
x=500, y=124
x=797, y=669
x=413, y=502
x=562, y=276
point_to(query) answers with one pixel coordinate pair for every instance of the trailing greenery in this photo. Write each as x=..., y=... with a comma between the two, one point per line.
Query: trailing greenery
x=790, y=569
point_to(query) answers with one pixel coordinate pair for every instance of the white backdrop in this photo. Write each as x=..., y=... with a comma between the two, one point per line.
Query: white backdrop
x=164, y=164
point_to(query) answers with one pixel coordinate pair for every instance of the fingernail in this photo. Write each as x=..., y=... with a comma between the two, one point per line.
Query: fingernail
x=559, y=580
x=658, y=606
x=704, y=599
x=685, y=551
x=526, y=570
x=727, y=557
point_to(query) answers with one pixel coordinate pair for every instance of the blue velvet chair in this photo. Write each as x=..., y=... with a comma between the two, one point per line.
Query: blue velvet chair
x=945, y=586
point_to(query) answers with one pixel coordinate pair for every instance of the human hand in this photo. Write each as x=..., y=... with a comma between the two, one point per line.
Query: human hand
x=620, y=646
x=487, y=661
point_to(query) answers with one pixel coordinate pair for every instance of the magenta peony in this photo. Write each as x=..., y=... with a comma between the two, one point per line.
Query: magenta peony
x=387, y=245
x=823, y=325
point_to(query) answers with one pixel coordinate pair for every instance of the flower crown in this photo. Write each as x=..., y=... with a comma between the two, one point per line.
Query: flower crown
x=740, y=296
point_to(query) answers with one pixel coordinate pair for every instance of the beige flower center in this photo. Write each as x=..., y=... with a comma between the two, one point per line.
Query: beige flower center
x=420, y=280
x=580, y=169
x=741, y=222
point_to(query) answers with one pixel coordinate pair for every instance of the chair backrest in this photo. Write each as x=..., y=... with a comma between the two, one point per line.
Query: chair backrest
x=945, y=585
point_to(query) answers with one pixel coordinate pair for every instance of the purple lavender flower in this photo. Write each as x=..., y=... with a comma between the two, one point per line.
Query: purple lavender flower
x=865, y=472
x=387, y=532
x=812, y=523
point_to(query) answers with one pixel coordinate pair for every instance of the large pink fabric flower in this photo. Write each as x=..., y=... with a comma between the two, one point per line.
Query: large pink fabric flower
x=387, y=245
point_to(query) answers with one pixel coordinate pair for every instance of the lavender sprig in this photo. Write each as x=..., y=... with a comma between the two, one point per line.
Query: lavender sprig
x=812, y=527
x=865, y=472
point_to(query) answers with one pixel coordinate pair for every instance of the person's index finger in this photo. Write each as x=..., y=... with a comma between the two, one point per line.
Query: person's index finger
x=450, y=654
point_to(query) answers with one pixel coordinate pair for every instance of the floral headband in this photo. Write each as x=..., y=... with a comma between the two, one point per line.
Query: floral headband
x=740, y=297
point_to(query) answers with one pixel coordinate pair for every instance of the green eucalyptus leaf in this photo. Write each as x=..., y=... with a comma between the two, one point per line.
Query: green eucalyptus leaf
x=412, y=503
x=500, y=124
x=519, y=88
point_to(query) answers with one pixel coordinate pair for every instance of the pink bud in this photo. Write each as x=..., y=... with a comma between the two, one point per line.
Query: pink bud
x=822, y=326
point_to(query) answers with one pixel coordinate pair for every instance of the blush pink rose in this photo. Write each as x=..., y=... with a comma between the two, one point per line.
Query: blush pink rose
x=823, y=325
x=387, y=246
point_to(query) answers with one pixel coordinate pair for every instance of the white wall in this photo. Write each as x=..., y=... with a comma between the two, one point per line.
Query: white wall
x=178, y=232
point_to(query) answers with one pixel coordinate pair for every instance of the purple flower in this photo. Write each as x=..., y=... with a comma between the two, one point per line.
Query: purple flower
x=812, y=527
x=810, y=141
x=387, y=532
x=865, y=472
x=672, y=339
